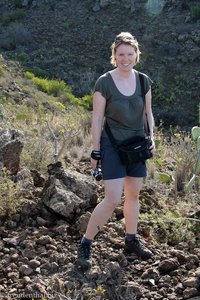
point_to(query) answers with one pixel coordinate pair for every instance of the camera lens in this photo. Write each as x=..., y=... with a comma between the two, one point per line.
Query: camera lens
x=97, y=174
x=98, y=177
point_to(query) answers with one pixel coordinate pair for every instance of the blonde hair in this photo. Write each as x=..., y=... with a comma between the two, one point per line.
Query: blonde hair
x=124, y=38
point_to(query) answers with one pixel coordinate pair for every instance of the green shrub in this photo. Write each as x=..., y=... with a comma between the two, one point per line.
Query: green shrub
x=195, y=10
x=37, y=72
x=159, y=91
x=53, y=87
x=18, y=14
x=1, y=71
x=58, y=88
x=177, y=228
x=22, y=56
x=10, y=196
x=87, y=102
x=18, y=3
x=29, y=75
x=37, y=152
x=13, y=16
x=169, y=226
x=14, y=35
x=49, y=86
x=179, y=149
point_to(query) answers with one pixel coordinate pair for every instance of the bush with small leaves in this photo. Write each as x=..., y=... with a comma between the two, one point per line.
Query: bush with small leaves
x=195, y=10
x=18, y=3
x=10, y=195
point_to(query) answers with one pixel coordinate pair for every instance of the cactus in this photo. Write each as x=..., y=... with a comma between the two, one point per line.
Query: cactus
x=198, y=143
x=196, y=137
x=165, y=178
x=195, y=132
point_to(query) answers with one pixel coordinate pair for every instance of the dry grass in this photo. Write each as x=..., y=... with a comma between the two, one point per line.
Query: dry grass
x=48, y=123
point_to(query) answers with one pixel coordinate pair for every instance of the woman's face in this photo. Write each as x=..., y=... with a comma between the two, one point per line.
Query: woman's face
x=125, y=57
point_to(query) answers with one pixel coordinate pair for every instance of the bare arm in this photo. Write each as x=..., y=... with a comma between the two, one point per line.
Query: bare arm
x=99, y=103
x=149, y=114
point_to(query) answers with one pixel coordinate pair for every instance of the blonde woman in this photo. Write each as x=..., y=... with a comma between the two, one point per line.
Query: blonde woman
x=118, y=98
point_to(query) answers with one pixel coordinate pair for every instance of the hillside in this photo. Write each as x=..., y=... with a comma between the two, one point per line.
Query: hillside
x=71, y=40
x=48, y=194
x=39, y=240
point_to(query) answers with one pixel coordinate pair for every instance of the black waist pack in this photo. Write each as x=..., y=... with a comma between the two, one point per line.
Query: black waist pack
x=134, y=150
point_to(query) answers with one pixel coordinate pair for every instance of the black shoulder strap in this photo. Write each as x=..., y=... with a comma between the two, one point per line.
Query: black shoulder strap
x=141, y=77
x=110, y=135
x=146, y=124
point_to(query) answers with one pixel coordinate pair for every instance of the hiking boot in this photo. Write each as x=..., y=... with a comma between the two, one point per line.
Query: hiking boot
x=137, y=247
x=84, y=259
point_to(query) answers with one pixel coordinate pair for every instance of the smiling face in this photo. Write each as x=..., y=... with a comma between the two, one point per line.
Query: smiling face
x=125, y=57
x=125, y=46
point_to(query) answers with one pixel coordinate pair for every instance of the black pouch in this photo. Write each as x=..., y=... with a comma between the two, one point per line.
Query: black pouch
x=134, y=150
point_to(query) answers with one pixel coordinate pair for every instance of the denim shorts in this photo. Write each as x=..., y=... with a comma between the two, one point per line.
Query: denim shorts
x=111, y=166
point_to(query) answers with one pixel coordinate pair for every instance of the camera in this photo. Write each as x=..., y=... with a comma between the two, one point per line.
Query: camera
x=97, y=174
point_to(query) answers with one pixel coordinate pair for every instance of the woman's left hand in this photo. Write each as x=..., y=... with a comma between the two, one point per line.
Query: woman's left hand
x=153, y=146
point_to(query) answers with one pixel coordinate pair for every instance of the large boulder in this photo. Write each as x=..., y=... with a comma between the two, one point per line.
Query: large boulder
x=11, y=146
x=67, y=192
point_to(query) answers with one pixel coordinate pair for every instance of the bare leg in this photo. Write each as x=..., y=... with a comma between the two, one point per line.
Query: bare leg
x=104, y=210
x=132, y=189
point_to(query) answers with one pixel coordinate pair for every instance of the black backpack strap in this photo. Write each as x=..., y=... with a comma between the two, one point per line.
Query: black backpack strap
x=146, y=124
x=110, y=135
x=141, y=77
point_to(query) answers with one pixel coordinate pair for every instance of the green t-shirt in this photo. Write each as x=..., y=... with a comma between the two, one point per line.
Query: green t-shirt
x=124, y=114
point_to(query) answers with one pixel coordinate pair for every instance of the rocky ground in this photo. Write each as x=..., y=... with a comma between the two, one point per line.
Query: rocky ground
x=38, y=251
